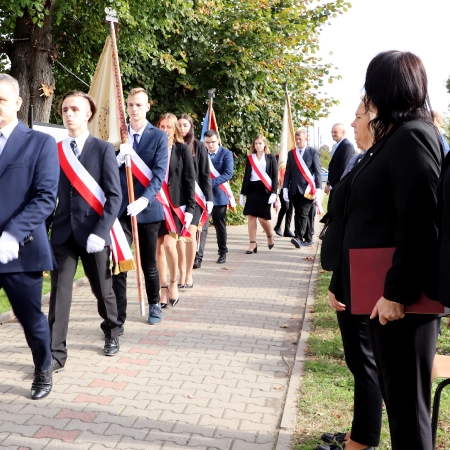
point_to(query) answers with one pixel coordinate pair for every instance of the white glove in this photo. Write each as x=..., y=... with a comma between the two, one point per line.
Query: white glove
x=272, y=199
x=9, y=247
x=209, y=207
x=242, y=200
x=286, y=195
x=125, y=149
x=95, y=244
x=188, y=219
x=134, y=208
x=318, y=195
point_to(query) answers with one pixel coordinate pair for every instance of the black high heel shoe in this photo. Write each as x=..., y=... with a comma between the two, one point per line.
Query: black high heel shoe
x=270, y=245
x=164, y=305
x=173, y=301
x=255, y=250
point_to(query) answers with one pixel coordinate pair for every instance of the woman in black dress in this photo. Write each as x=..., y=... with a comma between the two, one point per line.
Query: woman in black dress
x=260, y=186
x=180, y=182
x=187, y=250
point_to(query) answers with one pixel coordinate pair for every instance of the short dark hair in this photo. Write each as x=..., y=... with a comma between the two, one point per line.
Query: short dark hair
x=397, y=87
x=211, y=133
x=91, y=101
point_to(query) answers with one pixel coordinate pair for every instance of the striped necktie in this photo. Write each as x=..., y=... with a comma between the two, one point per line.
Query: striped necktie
x=75, y=149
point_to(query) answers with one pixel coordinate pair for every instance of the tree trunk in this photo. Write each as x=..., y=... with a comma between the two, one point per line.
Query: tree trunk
x=32, y=57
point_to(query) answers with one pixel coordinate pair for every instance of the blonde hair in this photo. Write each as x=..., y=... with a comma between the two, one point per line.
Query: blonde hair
x=266, y=148
x=136, y=91
x=171, y=118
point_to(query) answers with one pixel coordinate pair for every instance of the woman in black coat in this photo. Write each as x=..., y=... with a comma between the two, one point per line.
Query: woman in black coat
x=391, y=202
x=187, y=250
x=180, y=178
x=260, y=195
x=367, y=401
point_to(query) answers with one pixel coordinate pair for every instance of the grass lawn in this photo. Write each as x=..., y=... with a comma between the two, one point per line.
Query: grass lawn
x=326, y=395
x=5, y=305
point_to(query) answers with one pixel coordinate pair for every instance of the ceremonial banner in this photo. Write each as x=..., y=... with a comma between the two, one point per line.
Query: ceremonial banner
x=105, y=124
x=287, y=141
x=209, y=124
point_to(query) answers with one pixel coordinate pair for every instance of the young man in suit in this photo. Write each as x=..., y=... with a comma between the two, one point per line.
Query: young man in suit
x=28, y=182
x=150, y=144
x=296, y=187
x=79, y=231
x=343, y=152
x=222, y=160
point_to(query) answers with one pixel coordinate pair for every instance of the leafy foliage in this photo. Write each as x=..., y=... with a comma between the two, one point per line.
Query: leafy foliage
x=179, y=49
x=325, y=157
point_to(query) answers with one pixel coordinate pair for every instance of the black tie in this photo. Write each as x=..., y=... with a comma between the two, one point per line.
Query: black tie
x=75, y=149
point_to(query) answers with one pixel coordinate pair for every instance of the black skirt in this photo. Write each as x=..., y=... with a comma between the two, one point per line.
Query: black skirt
x=257, y=201
x=197, y=215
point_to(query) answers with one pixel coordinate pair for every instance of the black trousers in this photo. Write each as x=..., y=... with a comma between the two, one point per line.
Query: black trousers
x=97, y=269
x=302, y=206
x=404, y=353
x=366, y=425
x=24, y=291
x=148, y=238
x=287, y=208
x=218, y=214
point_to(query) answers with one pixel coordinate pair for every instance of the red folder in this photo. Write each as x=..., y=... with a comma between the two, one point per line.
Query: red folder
x=368, y=269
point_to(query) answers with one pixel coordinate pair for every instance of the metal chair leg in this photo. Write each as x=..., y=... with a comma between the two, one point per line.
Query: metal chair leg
x=436, y=404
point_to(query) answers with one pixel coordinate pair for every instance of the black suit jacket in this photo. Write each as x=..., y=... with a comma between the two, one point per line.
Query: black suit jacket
x=391, y=202
x=271, y=169
x=73, y=214
x=294, y=180
x=201, y=167
x=182, y=177
x=339, y=161
x=29, y=174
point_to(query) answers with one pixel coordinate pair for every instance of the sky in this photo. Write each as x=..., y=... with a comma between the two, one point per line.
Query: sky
x=372, y=26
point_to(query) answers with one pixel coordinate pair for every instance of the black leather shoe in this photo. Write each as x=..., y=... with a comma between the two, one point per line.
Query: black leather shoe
x=42, y=384
x=307, y=243
x=222, y=259
x=278, y=231
x=296, y=242
x=288, y=233
x=111, y=346
x=56, y=366
x=337, y=447
x=197, y=263
x=331, y=438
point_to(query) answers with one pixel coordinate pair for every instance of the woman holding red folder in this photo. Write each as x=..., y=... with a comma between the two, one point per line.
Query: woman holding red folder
x=390, y=201
x=260, y=185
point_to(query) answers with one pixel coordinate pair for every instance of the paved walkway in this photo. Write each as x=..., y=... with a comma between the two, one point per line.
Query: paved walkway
x=213, y=375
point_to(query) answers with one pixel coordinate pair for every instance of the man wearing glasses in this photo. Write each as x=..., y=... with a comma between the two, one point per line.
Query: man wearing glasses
x=222, y=166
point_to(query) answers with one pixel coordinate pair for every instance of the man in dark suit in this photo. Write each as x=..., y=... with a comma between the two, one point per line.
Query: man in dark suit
x=222, y=160
x=78, y=231
x=28, y=182
x=295, y=187
x=343, y=152
x=150, y=144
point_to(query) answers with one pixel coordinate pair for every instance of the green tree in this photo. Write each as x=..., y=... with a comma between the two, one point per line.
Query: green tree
x=179, y=49
x=325, y=157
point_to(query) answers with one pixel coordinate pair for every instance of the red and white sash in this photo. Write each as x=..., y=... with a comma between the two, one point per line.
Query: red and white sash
x=201, y=201
x=144, y=175
x=224, y=186
x=263, y=176
x=93, y=194
x=311, y=188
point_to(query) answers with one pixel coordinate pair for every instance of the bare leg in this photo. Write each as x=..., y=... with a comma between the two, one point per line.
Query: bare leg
x=191, y=249
x=267, y=227
x=181, y=249
x=161, y=264
x=170, y=248
x=252, y=225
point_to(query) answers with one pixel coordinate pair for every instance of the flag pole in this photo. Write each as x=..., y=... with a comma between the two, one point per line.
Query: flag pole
x=211, y=94
x=111, y=18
